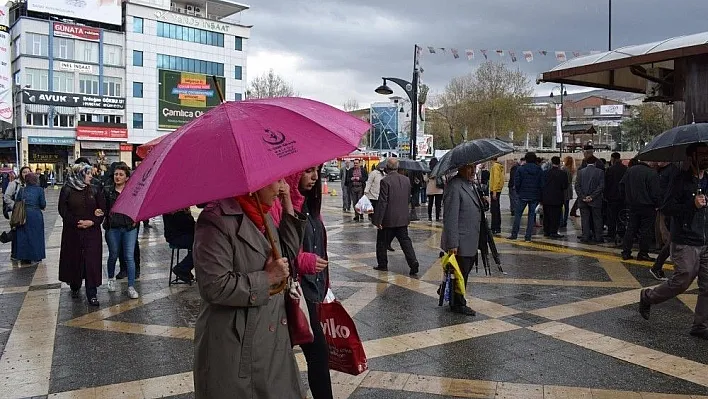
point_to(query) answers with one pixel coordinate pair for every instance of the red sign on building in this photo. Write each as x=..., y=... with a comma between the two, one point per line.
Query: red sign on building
x=77, y=32
x=126, y=147
x=101, y=133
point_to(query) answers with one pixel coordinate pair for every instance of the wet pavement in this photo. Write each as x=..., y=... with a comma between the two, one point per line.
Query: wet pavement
x=562, y=323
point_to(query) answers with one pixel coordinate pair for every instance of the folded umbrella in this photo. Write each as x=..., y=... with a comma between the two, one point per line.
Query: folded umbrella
x=671, y=145
x=471, y=152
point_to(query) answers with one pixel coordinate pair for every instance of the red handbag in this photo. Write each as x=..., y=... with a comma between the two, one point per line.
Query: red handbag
x=298, y=316
x=346, y=353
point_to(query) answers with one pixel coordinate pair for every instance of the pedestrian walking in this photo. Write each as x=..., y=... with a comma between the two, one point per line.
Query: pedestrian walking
x=346, y=200
x=391, y=216
x=513, y=195
x=356, y=183
x=528, y=183
x=496, y=184
x=668, y=172
x=434, y=189
x=30, y=236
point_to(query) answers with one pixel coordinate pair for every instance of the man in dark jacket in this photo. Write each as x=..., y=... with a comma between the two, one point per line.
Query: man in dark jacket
x=615, y=201
x=667, y=173
x=513, y=195
x=686, y=205
x=640, y=187
x=553, y=198
x=391, y=215
x=589, y=186
x=528, y=183
x=356, y=184
x=179, y=232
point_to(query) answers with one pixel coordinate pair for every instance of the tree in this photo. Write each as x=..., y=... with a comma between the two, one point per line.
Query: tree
x=647, y=121
x=270, y=85
x=350, y=105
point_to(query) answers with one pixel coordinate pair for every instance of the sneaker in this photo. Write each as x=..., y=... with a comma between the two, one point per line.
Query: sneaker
x=132, y=294
x=700, y=333
x=658, y=274
x=111, y=285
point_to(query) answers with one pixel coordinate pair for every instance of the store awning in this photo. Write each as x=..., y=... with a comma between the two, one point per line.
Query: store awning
x=7, y=143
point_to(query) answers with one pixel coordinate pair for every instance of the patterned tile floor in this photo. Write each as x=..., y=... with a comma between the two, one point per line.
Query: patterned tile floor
x=562, y=323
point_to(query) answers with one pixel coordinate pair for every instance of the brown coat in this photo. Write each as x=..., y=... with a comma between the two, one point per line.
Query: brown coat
x=242, y=345
x=394, y=197
x=79, y=246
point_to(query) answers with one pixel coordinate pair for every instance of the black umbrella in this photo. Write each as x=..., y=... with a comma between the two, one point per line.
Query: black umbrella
x=471, y=152
x=410, y=165
x=671, y=145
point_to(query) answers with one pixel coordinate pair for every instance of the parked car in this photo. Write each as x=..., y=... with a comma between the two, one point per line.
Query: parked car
x=331, y=173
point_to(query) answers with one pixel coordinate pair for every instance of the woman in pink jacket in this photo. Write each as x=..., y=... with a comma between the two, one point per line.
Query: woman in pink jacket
x=311, y=264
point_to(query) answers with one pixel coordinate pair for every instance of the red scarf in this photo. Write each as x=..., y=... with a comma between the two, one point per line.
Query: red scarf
x=250, y=208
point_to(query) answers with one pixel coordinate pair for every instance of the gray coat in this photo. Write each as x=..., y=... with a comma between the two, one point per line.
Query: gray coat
x=394, y=195
x=241, y=340
x=463, y=216
x=590, y=182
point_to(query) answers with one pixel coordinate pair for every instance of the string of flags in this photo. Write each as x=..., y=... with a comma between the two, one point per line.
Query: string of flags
x=560, y=56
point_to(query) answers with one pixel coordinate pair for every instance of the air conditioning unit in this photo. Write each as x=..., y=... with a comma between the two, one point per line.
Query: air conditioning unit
x=197, y=10
x=189, y=8
x=173, y=6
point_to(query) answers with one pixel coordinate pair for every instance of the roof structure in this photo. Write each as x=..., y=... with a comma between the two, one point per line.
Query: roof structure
x=579, y=129
x=614, y=95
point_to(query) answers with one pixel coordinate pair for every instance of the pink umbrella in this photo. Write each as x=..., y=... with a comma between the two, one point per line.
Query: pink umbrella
x=237, y=148
x=145, y=149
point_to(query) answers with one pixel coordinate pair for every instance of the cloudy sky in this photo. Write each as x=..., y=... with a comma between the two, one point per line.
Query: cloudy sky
x=334, y=50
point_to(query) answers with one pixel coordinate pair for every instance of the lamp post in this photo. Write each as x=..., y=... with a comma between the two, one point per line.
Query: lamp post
x=411, y=89
x=563, y=93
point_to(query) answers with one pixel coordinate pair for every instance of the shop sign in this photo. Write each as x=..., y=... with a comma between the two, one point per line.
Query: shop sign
x=108, y=146
x=126, y=147
x=71, y=100
x=44, y=158
x=6, y=108
x=77, y=32
x=187, y=20
x=101, y=133
x=65, y=141
x=75, y=67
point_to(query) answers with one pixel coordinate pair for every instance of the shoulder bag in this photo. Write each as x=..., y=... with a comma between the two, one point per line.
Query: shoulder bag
x=296, y=310
x=19, y=213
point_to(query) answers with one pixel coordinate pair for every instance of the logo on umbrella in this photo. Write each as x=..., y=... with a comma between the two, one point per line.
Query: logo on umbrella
x=273, y=137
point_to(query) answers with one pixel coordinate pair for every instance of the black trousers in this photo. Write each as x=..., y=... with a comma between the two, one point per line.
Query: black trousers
x=641, y=219
x=384, y=239
x=91, y=292
x=317, y=356
x=591, y=222
x=495, y=208
x=437, y=198
x=465, y=263
x=551, y=218
x=613, y=210
x=184, y=241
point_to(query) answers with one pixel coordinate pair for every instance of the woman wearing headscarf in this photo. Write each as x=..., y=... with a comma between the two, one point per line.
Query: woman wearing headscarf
x=242, y=344
x=9, y=197
x=30, y=236
x=311, y=266
x=81, y=208
x=435, y=193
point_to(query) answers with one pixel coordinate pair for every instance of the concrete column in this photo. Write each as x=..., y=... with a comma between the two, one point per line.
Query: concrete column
x=24, y=152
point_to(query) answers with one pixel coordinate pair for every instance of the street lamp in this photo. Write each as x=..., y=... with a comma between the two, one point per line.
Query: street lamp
x=411, y=89
x=563, y=93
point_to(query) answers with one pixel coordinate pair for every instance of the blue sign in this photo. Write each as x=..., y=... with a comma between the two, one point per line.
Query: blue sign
x=65, y=141
x=384, y=120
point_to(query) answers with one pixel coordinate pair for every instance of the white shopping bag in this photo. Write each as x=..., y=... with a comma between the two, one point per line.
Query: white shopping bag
x=364, y=205
x=329, y=298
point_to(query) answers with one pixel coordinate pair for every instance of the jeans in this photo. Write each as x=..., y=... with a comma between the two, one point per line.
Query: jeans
x=513, y=200
x=317, y=356
x=565, y=214
x=122, y=240
x=531, y=224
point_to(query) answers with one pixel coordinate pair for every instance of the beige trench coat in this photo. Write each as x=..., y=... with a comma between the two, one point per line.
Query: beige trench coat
x=242, y=345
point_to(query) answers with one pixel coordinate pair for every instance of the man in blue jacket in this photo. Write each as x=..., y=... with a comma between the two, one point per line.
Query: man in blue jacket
x=529, y=182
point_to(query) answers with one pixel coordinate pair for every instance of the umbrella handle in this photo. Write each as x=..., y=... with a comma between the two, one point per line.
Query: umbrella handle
x=277, y=288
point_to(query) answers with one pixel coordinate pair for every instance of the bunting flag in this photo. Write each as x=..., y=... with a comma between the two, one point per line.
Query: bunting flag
x=443, y=50
x=576, y=54
x=543, y=52
x=595, y=52
x=528, y=55
x=431, y=49
x=512, y=54
x=484, y=53
x=470, y=54
x=560, y=56
x=454, y=52
x=500, y=52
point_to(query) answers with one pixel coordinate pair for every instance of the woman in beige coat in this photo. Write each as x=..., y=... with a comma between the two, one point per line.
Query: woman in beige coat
x=242, y=345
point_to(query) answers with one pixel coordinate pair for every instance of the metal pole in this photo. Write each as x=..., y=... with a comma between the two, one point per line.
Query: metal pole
x=414, y=105
x=14, y=129
x=560, y=145
x=609, y=28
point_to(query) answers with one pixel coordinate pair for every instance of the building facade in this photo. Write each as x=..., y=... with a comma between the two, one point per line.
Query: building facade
x=175, y=50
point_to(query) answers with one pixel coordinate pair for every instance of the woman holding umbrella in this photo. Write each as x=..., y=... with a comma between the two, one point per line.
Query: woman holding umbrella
x=242, y=344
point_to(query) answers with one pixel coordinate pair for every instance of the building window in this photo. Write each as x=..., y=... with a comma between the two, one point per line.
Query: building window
x=86, y=51
x=37, y=79
x=112, y=55
x=88, y=85
x=239, y=43
x=238, y=72
x=112, y=87
x=63, y=82
x=188, y=34
x=34, y=119
x=63, y=120
x=238, y=96
x=588, y=111
x=37, y=44
x=137, y=120
x=138, y=58
x=137, y=25
x=63, y=48
x=138, y=89
x=189, y=65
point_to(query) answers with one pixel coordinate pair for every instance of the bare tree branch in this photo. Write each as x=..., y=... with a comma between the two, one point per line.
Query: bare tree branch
x=270, y=85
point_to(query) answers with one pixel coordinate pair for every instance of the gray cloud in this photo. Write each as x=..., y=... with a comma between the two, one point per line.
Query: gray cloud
x=358, y=42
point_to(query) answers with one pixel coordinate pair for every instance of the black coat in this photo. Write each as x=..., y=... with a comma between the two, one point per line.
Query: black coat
x=689, y=225
x=640, y=186
x=554, y=187
x=350, y=174
x=613, y=177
